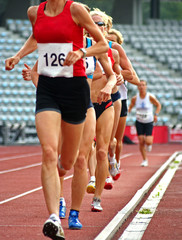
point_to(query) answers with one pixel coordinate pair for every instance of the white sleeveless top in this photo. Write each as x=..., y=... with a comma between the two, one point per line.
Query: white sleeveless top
x=123, y=90
x=144, y=109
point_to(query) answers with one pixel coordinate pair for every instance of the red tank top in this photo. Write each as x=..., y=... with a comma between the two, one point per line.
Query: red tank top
x=111, y=56
x=60, y=29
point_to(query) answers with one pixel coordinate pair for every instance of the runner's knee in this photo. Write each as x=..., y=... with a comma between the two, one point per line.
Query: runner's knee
x=81, y=162
x=101, y=154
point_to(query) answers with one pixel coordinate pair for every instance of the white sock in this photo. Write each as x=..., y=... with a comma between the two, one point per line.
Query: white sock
x=55, y=217
x=92, y=178
x=63, y=201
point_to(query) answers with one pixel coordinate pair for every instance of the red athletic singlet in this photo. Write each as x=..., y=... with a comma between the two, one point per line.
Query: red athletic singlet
x=60, y=29
x=111, y=56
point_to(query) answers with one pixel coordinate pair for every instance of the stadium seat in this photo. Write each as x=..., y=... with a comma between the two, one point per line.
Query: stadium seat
x=158, y=40
x=180, y=115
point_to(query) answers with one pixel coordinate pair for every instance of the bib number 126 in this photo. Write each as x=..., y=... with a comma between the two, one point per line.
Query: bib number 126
x=54, y=60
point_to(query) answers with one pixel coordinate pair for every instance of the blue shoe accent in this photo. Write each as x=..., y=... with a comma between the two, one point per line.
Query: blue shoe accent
x=62, y=210
x=73, y=220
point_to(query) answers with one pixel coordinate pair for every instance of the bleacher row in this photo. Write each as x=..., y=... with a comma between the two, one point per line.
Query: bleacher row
x=161, y=42
x=17, y=97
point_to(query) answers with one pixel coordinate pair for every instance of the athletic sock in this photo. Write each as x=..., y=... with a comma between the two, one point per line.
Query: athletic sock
x=63, y=201
x=92, y=179
x=53, y=216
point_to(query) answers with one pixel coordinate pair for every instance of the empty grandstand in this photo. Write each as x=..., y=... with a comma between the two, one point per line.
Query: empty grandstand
x=155, y=51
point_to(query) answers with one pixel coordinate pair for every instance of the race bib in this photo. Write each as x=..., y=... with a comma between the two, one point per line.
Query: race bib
x=90, y=65
x=51, y=59
x=143, y=115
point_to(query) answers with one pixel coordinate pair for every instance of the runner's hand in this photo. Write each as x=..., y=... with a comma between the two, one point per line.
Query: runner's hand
x=11, y=62
x=120, y=79
x=72, y=57
x=104, y=94
x=26, y=73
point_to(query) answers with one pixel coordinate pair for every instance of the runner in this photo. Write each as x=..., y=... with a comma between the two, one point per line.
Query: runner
x=115, y=40
x=80, y=176
x=104, y=123
x=62, y=92
x=145, y=118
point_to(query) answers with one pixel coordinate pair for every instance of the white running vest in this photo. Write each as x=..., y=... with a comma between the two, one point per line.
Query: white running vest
x=144, y=109
x=123, y=90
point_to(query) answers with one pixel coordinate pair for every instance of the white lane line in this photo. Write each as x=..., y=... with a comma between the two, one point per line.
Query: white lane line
x=20, y=156
x=140, y=222
x=112, y=227
x=28, y=192
x=126, y=155
x=159, y=154
x=20, y=195
x=20, y=168
x=23, y=226
x=151, y=154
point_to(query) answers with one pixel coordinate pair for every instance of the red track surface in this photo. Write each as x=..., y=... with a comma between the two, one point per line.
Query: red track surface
x=22, y=218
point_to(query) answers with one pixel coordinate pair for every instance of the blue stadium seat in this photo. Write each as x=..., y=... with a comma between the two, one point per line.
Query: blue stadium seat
x=180, y=115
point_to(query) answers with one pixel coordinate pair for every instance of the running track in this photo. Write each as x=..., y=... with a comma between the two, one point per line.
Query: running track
x=22, y=207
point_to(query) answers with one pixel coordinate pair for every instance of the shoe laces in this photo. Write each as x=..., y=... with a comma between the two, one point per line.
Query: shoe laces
x=95, y=199
x=54, y=219
x=74, y=214
x=91, y=182
x=108, y=180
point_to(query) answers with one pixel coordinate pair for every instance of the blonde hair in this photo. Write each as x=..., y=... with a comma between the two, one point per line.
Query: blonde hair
x=106, y=18
x=117, y=33
x=109, y=22
x=97, y=11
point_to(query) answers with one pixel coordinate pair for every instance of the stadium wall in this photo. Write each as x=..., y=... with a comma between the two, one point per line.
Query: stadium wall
x=15, y=10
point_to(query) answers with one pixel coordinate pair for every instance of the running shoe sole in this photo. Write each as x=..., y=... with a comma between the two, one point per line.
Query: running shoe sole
x=90, y=189
x=75, y=228
x=93, y=209
x=108, y=186
x=116, y=177
x=50, y=230
x=144, y=165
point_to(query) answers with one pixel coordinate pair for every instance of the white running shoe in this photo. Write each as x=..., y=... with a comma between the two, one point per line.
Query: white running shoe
x=113, y=170
x=149, y=148
x=108, y=183
x=95, y=206
x=91, y=187
x=144, y=163
x=118, y=165
x=52, y=228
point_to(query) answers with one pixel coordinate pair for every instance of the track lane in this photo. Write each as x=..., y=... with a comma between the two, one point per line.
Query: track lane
x=23, y=218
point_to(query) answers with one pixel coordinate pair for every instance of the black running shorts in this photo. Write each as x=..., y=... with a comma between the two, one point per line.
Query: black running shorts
x=144, y=128
x=124, y=108
x=115, y=96
x=68, y=96
x=100, y=108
